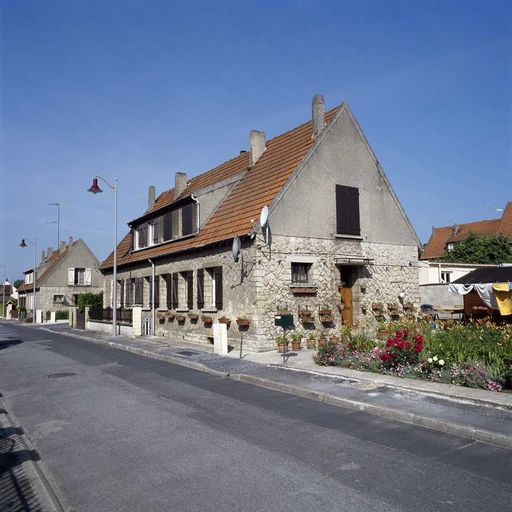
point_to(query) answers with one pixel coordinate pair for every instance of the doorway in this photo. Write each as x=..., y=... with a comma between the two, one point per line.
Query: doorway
x=345, y=288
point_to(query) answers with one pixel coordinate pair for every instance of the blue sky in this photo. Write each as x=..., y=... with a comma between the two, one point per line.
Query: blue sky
x=142, y=89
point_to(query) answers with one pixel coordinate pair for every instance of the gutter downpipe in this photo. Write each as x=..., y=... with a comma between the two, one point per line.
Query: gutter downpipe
x=152, y=297
x=194, y=198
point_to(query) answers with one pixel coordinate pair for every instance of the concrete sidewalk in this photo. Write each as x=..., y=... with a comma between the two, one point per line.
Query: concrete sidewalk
x=474, y=414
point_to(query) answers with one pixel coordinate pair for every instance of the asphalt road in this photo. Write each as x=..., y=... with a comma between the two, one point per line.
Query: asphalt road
x=124, y=433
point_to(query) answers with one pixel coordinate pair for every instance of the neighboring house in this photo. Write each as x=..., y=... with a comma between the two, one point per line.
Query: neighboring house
x=435, y=275
x=61, y=276
x=337, y=239
x=7, y=293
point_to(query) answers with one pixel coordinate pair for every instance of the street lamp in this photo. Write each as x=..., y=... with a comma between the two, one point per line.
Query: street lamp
x=57, y=221
x=95, y=189
x=34, y=243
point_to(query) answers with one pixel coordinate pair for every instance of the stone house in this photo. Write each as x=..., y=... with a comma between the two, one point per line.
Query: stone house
x=321, y=234
x=61, y=276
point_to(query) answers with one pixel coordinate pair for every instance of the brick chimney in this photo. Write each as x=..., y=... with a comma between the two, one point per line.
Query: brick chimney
x=318, y=114
x=62, y=247
x=151, y=197
x=43, y=256
x=256, y=146
x=49, y=252
x=180, y=184
x=70, y=241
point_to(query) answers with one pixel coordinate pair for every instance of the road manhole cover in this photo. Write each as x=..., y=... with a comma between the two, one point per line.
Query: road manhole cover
x=60, y=375
x=187, y=353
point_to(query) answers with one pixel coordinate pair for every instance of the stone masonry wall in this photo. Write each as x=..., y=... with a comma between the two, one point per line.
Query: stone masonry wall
x=393, y=270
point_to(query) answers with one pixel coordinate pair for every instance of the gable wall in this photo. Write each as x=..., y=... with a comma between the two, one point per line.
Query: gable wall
x=308, y=207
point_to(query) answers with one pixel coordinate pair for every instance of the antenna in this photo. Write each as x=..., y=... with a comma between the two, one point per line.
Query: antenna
x=264, y=222
x=236, y=248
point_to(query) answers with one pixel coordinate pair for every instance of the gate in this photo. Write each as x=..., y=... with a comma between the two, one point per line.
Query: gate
x=80, y=320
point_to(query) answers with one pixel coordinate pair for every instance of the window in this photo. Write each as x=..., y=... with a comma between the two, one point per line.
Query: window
x=79, y=276
x=58, y=299
x=347, y=211
x=142, y=236
x=300, y=273
x=139, y=290
x=150, y=291
x=209, y=288
x=167, y=226
x=29, y=278
x=449, y=246
x=188, y=219
x=446, y=277
x=157, y=233
x=128, y=293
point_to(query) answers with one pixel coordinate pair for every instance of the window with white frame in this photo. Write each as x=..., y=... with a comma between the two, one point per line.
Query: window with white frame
x=58, y=299
x=301, y=273
x=446, y=277
x=29, y=278
x=450, y=246
x=79, y=276
x=209, y=288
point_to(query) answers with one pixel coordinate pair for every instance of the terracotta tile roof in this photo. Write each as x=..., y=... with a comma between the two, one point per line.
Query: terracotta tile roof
x=436, y=246
x=505, y=225
x=49, y=266
x=257, y=188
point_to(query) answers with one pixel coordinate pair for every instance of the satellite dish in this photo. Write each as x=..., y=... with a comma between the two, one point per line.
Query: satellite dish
x=237, y=246
x=264, y=216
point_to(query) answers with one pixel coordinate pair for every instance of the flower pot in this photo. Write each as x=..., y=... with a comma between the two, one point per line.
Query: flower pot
x=224, y=320
x=180, y=318
x=311, y=343
x=295, y=345
x=325, y=312
x=243, y=322
x=282, y=347
x=322, y=342
x=207, y=319
x=334, y=340
x=327, y=319
x=383, y=334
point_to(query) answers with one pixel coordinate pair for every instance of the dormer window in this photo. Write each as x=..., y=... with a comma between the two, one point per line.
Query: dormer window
x=449, y=246
x=173, y=225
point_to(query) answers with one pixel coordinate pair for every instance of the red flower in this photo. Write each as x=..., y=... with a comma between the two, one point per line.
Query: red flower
x=400, y=343
x=390, y=342
x=408, y=345
x=385, y=356
x=402, y=333
x=418, y=338
x=418, y=347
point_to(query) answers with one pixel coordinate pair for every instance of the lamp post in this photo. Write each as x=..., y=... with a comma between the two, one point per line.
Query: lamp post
x=95, y=189
x=56, y=222
x=34, y=243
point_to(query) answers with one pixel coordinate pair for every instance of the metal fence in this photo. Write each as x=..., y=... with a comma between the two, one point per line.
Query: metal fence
x=99, y=314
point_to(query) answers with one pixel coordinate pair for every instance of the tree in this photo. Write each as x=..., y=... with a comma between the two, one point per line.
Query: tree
x=18, y=283
x=89, y=299
x=492, y=249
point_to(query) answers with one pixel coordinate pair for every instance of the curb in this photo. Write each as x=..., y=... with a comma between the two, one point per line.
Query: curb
x=471, y=433
x=36, y=471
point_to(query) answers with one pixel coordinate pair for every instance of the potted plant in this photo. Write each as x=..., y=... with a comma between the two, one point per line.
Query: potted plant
x=306, y=316
x=180, y=318
x=282, y=343
x=207, y=319
x=296, y=340
x=322, y=340
x=325, y=310
x=310, y=341
x=334, y=340
x=243, y=321
x=283, y=310
x=194, y=317
x=224, y=320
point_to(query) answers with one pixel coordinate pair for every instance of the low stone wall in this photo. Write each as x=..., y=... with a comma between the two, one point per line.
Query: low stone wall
x=124, y=330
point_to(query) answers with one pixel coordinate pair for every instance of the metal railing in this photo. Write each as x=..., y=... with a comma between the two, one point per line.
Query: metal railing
x=99, y=314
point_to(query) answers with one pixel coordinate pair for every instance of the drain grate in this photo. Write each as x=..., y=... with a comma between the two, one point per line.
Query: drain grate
x=60, y=375
x=187, y=353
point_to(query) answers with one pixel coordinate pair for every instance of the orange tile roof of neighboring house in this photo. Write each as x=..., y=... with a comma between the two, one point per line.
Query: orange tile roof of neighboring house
x=436, y=246
x=257, y=188
x=505, y=226
x=51, y=263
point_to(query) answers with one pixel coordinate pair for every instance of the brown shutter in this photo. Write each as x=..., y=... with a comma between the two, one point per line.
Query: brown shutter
x=200, y=288
x=121, y=290
x=157, y=291
x=168, y=226
x=218, y=288
x=187, y=219
x=168, y=284
x=347, y=211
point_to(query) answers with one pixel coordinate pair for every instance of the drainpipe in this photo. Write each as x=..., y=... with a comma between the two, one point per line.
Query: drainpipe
x=152, y=297
x=194, y=198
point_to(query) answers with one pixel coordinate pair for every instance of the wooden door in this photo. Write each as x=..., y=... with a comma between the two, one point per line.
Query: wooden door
x=347, y=316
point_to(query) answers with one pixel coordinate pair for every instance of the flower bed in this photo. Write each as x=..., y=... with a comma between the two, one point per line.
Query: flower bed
x=473, y=355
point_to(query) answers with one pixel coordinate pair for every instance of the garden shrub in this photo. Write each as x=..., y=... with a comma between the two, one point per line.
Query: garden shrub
x=330, y=354
x=89, y=299
x=62, y=314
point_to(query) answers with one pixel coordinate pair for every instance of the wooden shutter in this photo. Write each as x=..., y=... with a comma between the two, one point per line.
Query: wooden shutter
x=218, y=287
x=71, y=276
x=347, y=211
x=175, y=290
x=139, y=290
x=157, y=291
x=187, y=219
x=128, y=296
x=121, y=294
x=190, y=290
x=87, y=277
x=168, y=226
x=200, y=288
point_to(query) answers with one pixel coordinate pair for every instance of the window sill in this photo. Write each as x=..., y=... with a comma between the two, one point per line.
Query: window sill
x=182, y=310
x=209, y=310
x=349, y=237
